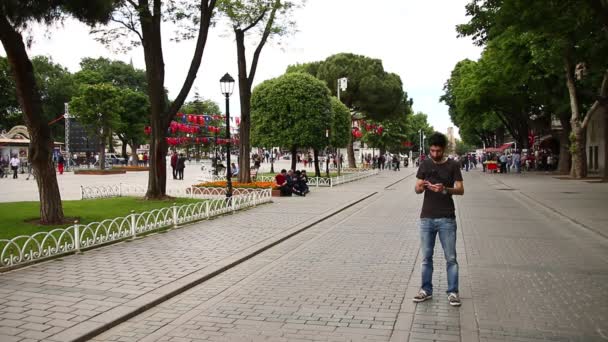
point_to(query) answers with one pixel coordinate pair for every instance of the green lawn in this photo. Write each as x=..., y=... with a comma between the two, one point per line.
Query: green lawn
x=17, y=217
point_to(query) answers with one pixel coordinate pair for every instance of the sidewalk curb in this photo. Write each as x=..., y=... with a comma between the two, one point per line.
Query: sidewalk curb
x=109, y=319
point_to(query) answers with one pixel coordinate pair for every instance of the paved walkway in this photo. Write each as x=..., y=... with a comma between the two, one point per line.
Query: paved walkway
x=72, y=297
x=21, y=189
x=533, y=268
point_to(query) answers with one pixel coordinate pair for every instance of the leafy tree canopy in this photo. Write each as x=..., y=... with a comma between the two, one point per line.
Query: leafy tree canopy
x=200, y=105
x=340, y=124
x=22, y=12
x=371, y=90
x=291, y=111
x=117, y=73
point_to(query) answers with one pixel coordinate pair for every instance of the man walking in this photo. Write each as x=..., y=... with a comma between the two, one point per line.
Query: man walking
x=174, y=164
x=439, y=178
x=15, y=162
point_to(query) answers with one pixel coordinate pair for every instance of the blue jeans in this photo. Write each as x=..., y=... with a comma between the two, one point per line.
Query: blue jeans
x=446, y=227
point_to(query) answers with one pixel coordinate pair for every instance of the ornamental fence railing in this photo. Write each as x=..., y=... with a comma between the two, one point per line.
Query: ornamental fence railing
x=43, y=245
x=350, y=177
x=123, y=189
x=332, y=181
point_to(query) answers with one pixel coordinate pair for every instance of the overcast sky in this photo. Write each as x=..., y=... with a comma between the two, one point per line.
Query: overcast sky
x=414, y=39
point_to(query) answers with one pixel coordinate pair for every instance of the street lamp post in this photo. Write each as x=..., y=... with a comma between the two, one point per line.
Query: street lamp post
x=66, y=117
x=342, y=85
x=327, y=154
x=227, y=84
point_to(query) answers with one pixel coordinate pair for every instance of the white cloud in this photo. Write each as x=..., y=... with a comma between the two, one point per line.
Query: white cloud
x=415, y=39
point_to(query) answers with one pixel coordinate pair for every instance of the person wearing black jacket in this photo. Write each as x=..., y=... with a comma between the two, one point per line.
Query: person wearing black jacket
x=181, y=165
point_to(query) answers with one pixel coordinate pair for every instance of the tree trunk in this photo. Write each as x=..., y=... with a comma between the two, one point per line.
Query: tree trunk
x=605, y=171
x=577, y=137
x=350, y=151
x=565, y=159
x=110, y=142
x=133, y=160
x=160, y=113
x=294, y=157
x=102, y=154
x=245, y=100
x=155, y=74
x=577, y=147
x=124, y=148
x=315, y=153
x=41, y=142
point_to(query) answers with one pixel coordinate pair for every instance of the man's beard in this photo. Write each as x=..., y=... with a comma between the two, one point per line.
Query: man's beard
x=437, y=159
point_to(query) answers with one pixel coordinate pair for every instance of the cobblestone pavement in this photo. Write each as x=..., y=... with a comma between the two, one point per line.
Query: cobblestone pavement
x=534, y=275
x=528, y=272
x=526, y=275
x=69, y=297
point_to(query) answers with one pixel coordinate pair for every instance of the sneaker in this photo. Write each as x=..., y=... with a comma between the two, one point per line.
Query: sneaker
x=453, y=299
x=421, y=296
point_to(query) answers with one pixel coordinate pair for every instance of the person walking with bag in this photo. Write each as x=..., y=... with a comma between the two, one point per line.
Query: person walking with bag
x=439, y=179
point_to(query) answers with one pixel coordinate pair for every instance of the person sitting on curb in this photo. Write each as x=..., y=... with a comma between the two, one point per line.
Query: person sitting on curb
x=292, y=181
x=281, y=183
x=305, y=181
x=299, y=187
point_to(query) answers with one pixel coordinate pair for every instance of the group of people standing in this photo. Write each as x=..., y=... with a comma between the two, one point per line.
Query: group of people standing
x=384, y=161
x=178, y=164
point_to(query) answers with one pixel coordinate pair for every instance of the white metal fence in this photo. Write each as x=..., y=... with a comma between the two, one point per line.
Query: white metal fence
x=122, y=189
x=349, y=177
x=43, y=245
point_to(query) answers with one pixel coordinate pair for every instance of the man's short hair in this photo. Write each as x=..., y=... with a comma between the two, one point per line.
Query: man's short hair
x=283, y=171
x=438, y=139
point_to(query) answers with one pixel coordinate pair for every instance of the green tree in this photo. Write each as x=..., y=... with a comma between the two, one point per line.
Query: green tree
x=273, y=20
x=134, y=111
x=133, y=84
x=199, y=106
x=562, y=36
x=56, y=88
x=116, y=73
x=415, y=124
x=15, y=16
x=98, y=109
x=394, y=133
x=140, y=23
x=462, y=148
x=10, y=112
x=372, y=93
x=340, y=129
x=291, y=111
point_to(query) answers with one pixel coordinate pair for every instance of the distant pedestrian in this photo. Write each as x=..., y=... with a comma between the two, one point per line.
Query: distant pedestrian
x=60, y=163
x=517, y=161
x=174, y=164
x=503, y=163
x=181, y=165
x=15, y=162
x=439, y=178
